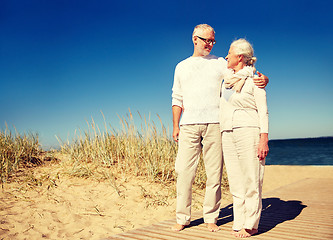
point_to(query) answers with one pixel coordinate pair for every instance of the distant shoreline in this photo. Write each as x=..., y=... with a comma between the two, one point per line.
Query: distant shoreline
x=286, y=139
x=280, y=175
x=299, y=165
x=50, y=148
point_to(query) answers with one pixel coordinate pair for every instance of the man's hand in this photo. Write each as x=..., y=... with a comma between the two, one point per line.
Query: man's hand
x=176, y=113
x=261, y=81
x=175, y=134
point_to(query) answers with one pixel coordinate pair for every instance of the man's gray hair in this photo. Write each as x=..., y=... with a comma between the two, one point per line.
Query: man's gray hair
x=201, y=27
x=243, y=47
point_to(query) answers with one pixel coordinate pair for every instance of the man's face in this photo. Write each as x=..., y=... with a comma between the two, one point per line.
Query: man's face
x=203, y=42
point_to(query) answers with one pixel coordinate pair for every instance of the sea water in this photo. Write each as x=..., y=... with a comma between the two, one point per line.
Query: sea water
x=306, y=151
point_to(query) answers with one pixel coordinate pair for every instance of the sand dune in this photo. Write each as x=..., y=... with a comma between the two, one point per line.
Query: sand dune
x=76, y=208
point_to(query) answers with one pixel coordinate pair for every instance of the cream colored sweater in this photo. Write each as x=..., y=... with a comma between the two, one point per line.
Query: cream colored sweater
x=196, y=88
x=245, y=109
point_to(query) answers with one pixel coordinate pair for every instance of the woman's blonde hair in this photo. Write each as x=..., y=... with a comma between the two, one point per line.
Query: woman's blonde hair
x=243, y=47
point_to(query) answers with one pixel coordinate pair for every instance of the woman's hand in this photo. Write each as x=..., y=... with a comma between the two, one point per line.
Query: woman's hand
x=263, y=146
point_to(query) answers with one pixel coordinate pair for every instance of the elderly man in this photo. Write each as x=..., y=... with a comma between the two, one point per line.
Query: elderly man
x=195, y=107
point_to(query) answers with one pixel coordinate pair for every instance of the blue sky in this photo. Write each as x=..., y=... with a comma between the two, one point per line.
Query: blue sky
x=63, y=62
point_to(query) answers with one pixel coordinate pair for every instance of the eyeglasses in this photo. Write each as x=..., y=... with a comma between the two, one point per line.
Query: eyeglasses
x=207, y=41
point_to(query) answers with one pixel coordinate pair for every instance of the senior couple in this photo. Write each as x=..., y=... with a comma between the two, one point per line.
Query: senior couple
x=217, y=105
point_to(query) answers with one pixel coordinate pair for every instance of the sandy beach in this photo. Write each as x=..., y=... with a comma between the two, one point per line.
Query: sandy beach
x=76, y=208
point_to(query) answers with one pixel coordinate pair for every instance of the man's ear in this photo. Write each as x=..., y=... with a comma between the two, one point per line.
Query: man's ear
x=195, y=39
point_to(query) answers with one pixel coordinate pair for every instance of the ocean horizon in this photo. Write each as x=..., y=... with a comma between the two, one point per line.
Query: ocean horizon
x=300, y=151
x=294, y=151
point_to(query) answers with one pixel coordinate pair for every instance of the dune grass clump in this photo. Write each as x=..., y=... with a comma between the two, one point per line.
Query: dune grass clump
x=17, y=150
x=147, y=150
x=144, y=151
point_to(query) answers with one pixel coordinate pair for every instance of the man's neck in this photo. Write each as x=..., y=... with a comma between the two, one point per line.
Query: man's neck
x=199, y=55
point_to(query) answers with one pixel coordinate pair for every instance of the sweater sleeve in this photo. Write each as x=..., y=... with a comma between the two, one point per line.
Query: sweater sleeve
x=261, y=102
x=177, y=95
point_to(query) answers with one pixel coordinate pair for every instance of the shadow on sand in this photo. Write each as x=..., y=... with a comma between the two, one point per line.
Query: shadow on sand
x=274, y=212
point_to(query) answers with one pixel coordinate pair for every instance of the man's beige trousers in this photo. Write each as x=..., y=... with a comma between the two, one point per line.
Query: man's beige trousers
x=192, y=140
x=245, y=174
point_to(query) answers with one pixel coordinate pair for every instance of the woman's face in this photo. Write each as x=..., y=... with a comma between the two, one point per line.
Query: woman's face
x=232, y=58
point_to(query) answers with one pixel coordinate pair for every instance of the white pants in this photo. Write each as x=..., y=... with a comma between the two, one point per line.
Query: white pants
x=193, y=139
x=245, y=174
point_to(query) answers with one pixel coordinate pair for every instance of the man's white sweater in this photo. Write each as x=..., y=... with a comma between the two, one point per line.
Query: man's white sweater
x=196, y=88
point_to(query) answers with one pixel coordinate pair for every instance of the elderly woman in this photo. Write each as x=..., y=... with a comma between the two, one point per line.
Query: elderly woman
x=244, y=127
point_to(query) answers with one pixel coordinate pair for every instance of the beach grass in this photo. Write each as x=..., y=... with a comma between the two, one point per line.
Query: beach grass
x=145, y=149
x=17, y=150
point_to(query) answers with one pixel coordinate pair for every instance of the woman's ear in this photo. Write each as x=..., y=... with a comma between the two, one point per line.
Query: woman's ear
x=240, y=58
